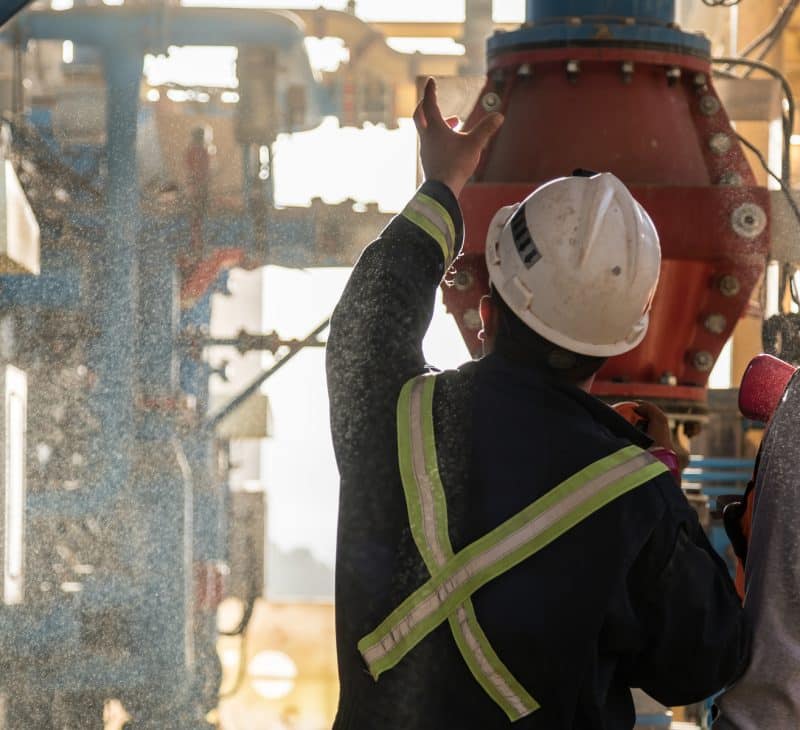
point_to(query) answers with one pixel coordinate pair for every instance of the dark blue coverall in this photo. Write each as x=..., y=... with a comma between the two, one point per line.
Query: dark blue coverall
x=634, y=596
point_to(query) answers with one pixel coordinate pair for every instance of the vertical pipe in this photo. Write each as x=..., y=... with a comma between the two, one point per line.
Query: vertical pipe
x=162, y=474
x=269, y=185
x=733, y=46
x=157, y=316
x=542, y=11
x=478, y=26
x=247, y=172
x=113, y=274
x=17, y=93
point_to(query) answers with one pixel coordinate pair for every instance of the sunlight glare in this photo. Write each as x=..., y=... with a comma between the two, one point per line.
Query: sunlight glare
x=505, y=11
x=334, y=163
x=294, y=301
x=326, y=54
x=68, y=52
x=193, y=66
x=432, y=46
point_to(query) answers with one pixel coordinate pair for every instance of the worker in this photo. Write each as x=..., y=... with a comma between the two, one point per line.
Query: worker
x=768, y=694
x=508, y=549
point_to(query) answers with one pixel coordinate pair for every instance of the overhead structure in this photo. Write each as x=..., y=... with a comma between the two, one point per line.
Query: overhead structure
x=615, y=85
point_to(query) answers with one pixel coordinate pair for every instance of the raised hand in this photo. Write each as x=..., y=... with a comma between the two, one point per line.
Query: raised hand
x=449, y=156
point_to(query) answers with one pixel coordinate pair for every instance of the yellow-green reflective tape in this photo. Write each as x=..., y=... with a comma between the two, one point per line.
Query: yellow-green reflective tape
x=436, y=214
x=406, y=464
x=487, y=668
x=433, y=218
x=431, y=467
x=431, y=604
x=442, y=211
x=427, y=507
x=503, y=548
x=431, y=230
x=538, y=507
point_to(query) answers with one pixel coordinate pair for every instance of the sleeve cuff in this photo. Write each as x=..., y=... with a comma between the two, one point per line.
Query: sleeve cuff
x=435, y=210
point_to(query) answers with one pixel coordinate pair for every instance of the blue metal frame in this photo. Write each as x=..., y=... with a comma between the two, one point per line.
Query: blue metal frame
x=647, y=24
x=719, y=477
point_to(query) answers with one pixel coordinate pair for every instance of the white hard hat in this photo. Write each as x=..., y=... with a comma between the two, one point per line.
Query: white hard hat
x=578, y=261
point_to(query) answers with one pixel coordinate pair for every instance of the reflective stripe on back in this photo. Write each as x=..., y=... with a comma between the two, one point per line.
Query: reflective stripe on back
x=446, y=595
x=427, y=508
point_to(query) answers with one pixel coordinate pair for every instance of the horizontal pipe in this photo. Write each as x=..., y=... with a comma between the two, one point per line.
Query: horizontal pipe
x=717, y=476
x=352, y=29
x=248, y=342
x=719, y=463
x=310, y=341
x=158, y=29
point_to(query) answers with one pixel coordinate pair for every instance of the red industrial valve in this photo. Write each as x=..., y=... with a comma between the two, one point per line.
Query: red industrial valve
x=632, y=95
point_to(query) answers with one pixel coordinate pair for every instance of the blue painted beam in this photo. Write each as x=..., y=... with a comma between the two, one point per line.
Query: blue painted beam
x=157, y=316
x=549, y=11
x=720, y=463
x=162, y=475
x=59, y=290
x=113, y=268
x=600, y=23
x=707, y=477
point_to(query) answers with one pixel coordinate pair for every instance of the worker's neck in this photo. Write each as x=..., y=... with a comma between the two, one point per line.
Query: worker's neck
x=584, y=385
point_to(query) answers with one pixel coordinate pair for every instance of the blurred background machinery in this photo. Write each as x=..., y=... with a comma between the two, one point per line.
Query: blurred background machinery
x=111, y=213
x=125, y=205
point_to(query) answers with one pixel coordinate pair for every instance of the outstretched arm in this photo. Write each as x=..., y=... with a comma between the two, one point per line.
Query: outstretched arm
x=377, y=329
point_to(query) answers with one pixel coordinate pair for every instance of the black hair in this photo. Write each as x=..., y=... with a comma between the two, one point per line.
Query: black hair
x=518, y=343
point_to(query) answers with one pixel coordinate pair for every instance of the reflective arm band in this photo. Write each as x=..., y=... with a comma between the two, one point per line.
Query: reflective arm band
x=432, y=217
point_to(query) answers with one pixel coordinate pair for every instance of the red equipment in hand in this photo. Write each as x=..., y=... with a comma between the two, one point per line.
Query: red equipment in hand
x=760, y=393
x=763, y=385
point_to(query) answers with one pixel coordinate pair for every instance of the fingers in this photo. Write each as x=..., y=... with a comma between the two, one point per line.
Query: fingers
x=485, y=129
x=649, y=410
x=419, y=118
x=452, y=122
x=430, y=106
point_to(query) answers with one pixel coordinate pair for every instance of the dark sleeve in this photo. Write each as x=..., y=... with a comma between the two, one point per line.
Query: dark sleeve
x=377, y=328
x=695, y=635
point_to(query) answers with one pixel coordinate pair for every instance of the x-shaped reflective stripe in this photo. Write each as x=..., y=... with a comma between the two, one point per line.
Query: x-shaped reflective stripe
x=427, y=505
x=446, y=596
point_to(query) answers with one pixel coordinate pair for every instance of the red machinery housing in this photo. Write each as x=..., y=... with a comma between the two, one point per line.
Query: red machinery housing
x=603, y=99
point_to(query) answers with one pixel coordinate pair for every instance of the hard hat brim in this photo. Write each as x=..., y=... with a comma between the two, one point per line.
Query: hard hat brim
x=557, y=338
